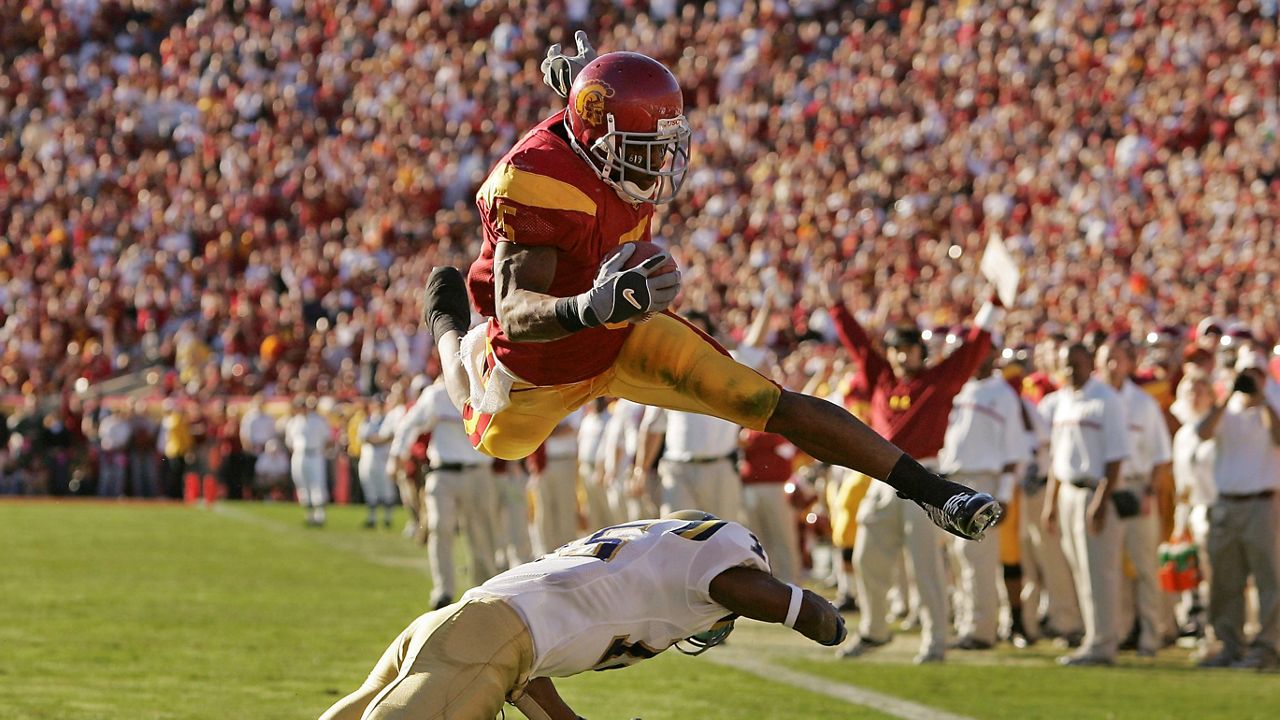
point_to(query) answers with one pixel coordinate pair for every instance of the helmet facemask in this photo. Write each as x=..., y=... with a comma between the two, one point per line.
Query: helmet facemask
x=641, y=166
x=704, y=641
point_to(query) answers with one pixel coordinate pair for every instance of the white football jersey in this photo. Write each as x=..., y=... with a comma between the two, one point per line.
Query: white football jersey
x=624, y=594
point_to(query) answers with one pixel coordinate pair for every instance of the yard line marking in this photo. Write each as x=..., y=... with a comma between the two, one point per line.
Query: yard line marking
x=330, y=541
x=888, y=704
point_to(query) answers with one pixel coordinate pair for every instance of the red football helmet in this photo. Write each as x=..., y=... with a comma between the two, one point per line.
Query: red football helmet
x=626, y=118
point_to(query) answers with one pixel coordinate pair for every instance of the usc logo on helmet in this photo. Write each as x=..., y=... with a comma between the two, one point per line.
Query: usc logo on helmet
x=589, y=102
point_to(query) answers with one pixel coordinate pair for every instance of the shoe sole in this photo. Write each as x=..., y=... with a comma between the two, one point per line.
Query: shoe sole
x=985, y=517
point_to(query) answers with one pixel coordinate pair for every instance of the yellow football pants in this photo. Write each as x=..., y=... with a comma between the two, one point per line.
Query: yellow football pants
x=665, y=362
x=457, y=663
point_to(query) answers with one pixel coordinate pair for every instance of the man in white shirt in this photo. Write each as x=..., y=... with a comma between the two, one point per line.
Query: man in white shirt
x=256, y=428
x=696, y=468
x=555, y=485
x=458, y=491
x=591, y=460
x=307, y=435
x=1242, y=520
x=1088, y=442
x=621, y=440
x=610, y=600
x=1047, y=585
x=1147, y=468
x=375, y=436
x=114, y=430
x=983, y=447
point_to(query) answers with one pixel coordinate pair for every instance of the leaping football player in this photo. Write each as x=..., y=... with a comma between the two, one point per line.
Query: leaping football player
x=561, y=328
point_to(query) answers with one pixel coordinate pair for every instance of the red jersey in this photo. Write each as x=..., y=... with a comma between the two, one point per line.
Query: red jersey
x=543, y=193
x=1036, y=385
x=766, y=458
x=912, y=413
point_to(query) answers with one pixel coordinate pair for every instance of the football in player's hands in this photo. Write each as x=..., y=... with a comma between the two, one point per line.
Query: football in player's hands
x=640, y=251
x=636, y=254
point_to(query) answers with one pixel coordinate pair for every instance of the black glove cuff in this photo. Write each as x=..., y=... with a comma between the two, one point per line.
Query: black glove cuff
x=567, y=314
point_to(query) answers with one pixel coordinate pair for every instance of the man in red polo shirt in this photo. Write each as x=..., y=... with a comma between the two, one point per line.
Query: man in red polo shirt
x=910, y=404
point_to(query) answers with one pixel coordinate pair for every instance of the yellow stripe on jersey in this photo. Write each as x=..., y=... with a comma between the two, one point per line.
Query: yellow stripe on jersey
x=534, y=190
x=700, y=531
x=635, y=233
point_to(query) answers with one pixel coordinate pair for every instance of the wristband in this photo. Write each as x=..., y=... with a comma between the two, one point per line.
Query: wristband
x=567, y=314
x=793, y=612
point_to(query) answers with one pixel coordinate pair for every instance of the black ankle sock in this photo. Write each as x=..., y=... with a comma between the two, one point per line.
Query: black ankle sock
x=913, y=481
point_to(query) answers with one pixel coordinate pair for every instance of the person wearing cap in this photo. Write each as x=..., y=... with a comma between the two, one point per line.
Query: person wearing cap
x=306, y=434
x=910, y=402
x=1242, y=519
x=458, y=491
x=1088, y=443
x=1147, y=469
x=984, y=445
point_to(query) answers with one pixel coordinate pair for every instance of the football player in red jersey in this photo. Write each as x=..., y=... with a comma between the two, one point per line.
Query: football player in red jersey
x=562, y=329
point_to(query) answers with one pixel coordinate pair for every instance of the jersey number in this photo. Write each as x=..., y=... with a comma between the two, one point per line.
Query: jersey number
x=621, y=648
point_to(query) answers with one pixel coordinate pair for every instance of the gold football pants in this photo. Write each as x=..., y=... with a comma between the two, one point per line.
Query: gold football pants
x=665, y=362
x=457, y=663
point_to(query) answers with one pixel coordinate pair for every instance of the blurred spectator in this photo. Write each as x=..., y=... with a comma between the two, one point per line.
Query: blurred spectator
x=307, y=436
x=1088, y=442
x=1242, y=519
x=112, y=435
x=271, y=471
x=176, y=446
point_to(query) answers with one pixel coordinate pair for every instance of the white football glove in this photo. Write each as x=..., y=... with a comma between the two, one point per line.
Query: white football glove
x=621, y=295
x=559, y=70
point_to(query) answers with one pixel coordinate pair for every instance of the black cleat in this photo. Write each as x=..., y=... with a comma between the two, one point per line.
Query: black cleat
x=967, y=514
x=444, y=302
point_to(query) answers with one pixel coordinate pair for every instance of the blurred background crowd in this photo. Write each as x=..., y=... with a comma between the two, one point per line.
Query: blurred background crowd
x=217, y=212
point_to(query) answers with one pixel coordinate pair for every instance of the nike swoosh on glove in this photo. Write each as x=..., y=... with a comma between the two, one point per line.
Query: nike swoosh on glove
x=622, y=295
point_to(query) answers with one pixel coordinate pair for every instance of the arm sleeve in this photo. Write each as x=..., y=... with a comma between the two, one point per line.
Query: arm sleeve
x=406, y=429
x=1016, y=448
x=732, y=545
x=522, y=203
x=1115, y=430
x=855, y=339
x=956, y=370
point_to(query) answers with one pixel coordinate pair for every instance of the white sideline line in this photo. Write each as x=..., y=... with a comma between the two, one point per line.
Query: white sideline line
x=320, y=537
x=897, y=707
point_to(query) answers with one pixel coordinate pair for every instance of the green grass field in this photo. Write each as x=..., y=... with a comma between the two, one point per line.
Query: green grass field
x=160, y=611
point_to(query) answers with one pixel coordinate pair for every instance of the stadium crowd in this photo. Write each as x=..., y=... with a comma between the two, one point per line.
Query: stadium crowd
x=241, y=198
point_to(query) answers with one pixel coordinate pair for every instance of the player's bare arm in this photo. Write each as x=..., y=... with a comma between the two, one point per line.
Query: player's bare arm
x=543, y=692
x=522, y=274
x=527, y=314
x=760, y=596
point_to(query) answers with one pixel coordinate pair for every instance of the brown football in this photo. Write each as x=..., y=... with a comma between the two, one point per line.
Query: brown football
x=644, y=251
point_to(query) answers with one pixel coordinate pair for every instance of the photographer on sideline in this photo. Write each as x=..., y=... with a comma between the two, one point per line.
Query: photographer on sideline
x=1242, y=521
